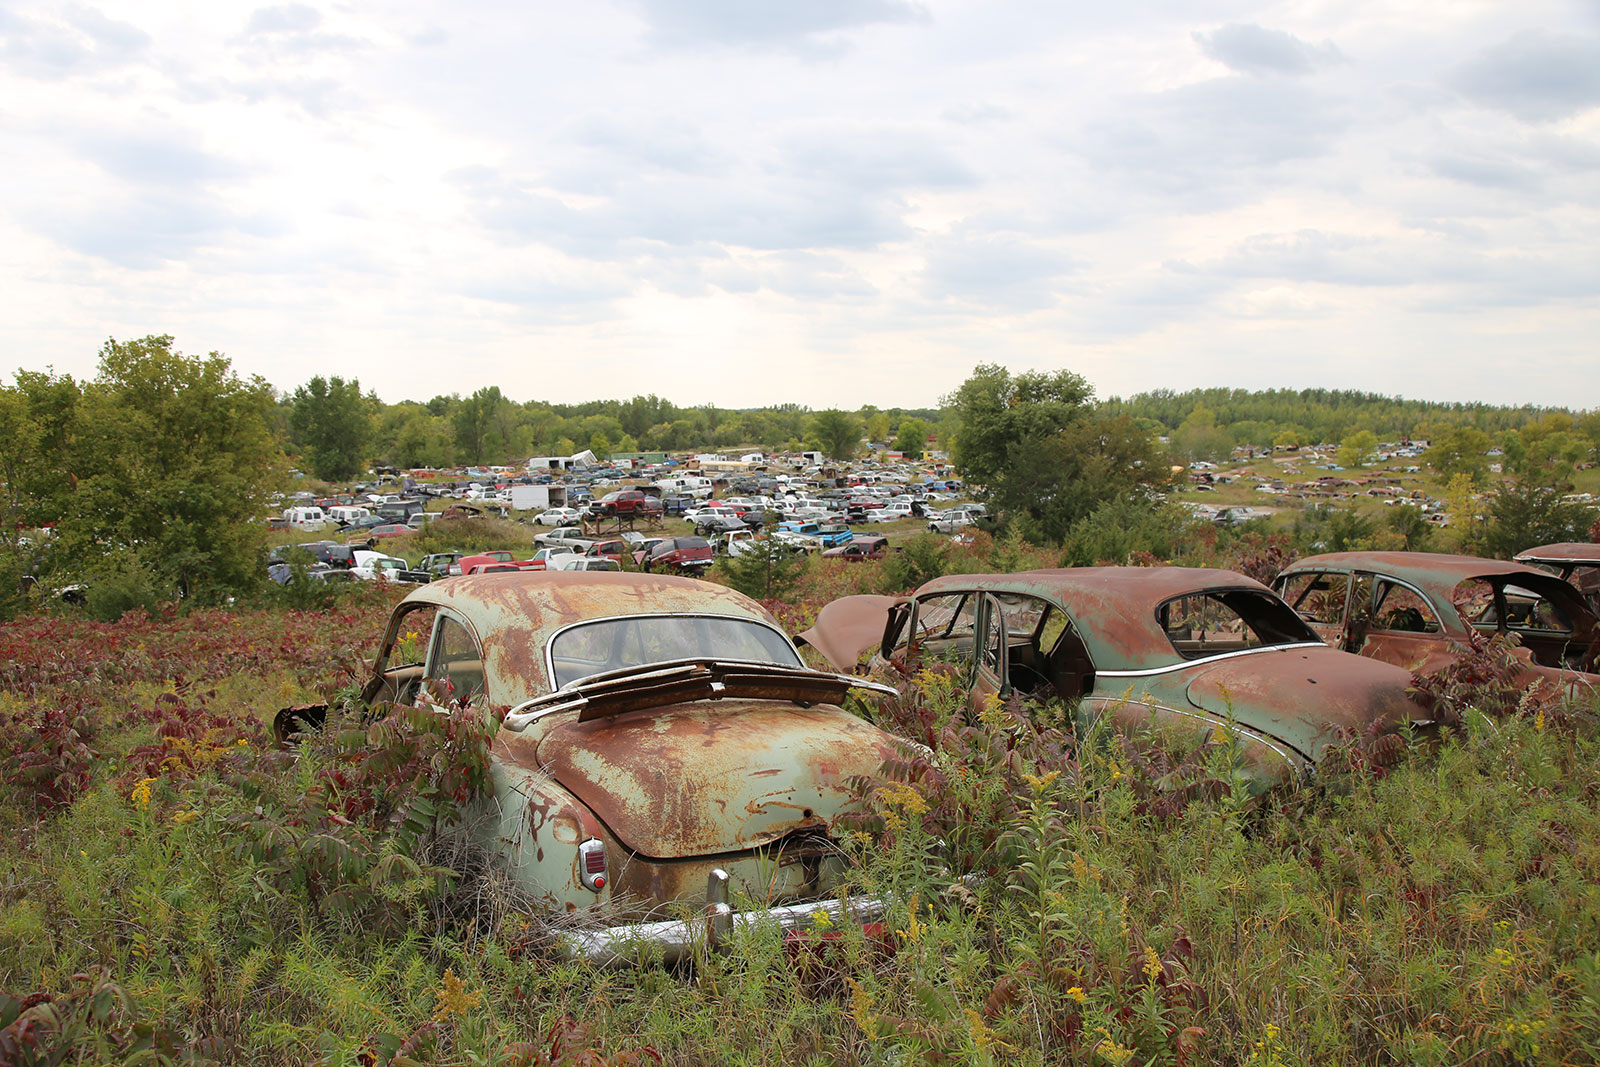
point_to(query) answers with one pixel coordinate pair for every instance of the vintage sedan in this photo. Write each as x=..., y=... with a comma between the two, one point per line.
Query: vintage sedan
x=1171, y=648
x=1575, y=561
x=661, y=743
x=1415, y=609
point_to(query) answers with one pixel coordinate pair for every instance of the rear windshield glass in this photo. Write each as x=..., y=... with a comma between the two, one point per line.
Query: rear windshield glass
x=640, y=640
x=1207, y=624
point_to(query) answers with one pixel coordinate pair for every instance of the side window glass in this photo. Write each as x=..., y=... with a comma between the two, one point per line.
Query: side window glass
x=455, y=668
x=1318, y=598
x=992, y=636
x=945, y=626
x=1398, y=609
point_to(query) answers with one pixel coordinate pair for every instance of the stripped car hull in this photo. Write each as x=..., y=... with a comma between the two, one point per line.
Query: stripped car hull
x=1284, y=702
x=1437, y=579
x=1577, y=562
x=676, y=769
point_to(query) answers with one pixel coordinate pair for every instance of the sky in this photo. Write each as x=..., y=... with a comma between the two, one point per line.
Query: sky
x=824, y=202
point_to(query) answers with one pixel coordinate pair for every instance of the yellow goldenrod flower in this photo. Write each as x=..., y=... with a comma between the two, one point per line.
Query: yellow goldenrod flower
x=452, y=998
x=1077, y=993
x=1152, y=963
x=141, y=792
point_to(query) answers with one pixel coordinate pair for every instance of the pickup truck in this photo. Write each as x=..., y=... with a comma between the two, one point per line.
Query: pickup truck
x=564, y=537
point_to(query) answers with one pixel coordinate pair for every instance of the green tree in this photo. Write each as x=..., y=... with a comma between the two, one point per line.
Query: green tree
x=1199, y=436
x=178, y=457
x=474, y=418
x=1356, y=449
x=1525, y=513
x=836, y=434
x=911, y=438
x=765, y=570
x=331, y=424
x=1457, y=450
x=1038, y=451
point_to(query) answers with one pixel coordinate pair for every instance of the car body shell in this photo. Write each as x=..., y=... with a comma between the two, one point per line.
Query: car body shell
x=863, y=547
x=674, y=769
x=1099, y=644
x=1577, y=562
x=1401, y=608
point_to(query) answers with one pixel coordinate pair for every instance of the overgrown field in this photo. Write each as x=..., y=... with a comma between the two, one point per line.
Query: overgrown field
x=177, y=891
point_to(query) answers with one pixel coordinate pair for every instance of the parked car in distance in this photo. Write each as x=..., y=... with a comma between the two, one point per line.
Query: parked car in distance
x=609, y=548
x=546, y=558
x=832, y=535
x=627, y=502
x=559, y=517
x=685, y=555
x=584, y=563
x=564, y=536
x=713, y=525
x=306, y=518
x=950, y=521
x=387, y=530
x=663, y=748
x=866, y=546
x=1200, y=653
x=441, y=564
x=1409, y=608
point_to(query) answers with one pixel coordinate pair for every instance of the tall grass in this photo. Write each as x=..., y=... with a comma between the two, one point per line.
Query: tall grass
x=199, y=897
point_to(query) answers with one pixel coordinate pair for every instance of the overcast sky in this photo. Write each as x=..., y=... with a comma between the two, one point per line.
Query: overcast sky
x=829, y=202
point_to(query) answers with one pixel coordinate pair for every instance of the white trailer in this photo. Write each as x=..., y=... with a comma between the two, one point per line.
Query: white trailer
x=538, y=497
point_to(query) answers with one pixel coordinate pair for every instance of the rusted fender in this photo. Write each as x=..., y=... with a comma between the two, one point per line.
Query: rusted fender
x=847, y=627
x=1309, y=697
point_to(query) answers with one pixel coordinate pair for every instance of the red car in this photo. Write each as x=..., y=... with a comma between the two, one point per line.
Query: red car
x=627, y=502
x=862, y=547
x=685, y=555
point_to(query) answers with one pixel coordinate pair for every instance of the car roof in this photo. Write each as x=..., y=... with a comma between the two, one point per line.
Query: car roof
x=1562, y=552
x=513, y=614
x=1428, y=571
x=1113, y=608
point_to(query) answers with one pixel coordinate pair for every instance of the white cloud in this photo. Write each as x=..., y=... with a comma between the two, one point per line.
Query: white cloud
x=784, y=196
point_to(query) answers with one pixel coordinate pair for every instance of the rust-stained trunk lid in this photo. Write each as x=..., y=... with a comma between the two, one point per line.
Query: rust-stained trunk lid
x=1308, y=697
x=699, y=779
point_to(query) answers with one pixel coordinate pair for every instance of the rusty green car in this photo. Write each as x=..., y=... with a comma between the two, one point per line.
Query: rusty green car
x=1173, y=649
x=662, y=746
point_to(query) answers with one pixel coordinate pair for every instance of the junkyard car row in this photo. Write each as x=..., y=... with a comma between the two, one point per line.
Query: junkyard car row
x=664, y=746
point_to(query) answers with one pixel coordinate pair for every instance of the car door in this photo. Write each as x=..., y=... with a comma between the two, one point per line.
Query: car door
x=991, y=662
x=1320, y=598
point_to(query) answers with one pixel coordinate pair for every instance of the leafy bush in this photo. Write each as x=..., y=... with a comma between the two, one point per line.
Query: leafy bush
x=922, y=557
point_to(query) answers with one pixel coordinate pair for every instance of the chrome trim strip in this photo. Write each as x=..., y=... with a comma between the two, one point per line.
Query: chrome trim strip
x=1149, y=672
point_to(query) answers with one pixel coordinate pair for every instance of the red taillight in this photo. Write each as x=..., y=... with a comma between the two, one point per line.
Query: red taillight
x=592, y=864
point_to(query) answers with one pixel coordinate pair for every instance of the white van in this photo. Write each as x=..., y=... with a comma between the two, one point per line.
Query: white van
x=344, y=516
x=305, y=518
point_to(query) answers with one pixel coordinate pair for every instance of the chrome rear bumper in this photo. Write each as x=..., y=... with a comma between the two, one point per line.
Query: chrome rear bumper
x=678, y=939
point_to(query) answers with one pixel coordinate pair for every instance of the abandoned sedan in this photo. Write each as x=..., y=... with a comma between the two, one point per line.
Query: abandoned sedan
x=1416, y=609
x=660, y=739
x=1171, y=648
x=1577, y=562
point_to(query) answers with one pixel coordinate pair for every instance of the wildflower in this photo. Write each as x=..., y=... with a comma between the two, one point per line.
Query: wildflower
x=141, y=792
x=861, y=1008
x=821, y=920
x=452, y=998
x=183, y=815
x=1077, y=993
x=1152, y=963
x=982, y=1036
x=1113, y=1053
x=1040, y=784
x=902, y=795
x=914, y=929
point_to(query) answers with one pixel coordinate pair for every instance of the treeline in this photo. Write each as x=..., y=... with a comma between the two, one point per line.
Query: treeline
x=1210, y=423
x=336, y=431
